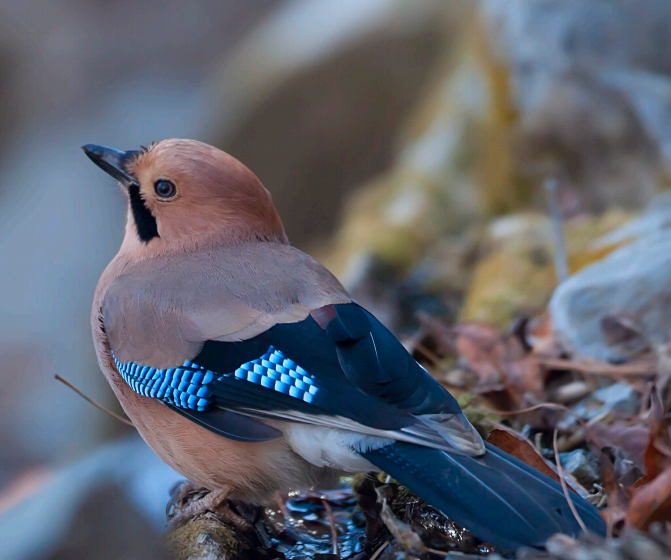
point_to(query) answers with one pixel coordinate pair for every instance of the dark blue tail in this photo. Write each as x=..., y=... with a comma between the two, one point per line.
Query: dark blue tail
x=498, y=498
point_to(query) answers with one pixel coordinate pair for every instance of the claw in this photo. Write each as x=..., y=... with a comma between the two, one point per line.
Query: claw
x=214, y=502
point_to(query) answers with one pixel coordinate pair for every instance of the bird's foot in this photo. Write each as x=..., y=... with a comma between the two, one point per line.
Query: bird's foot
x=189, y=501
x=181, y=495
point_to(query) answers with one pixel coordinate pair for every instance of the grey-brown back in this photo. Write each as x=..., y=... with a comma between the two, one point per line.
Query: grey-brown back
x=160, y=311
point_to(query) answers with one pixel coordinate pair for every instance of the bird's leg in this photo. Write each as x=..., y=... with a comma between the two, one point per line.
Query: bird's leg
x=215, y=502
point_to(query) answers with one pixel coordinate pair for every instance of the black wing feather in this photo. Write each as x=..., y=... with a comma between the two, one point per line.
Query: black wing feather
x=309, y=345
x=230, y=424
x=376, y=362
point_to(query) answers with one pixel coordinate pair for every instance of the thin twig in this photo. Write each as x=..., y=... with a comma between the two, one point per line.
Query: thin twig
x=94, y=403
x=334, y=528
x=585, y=425
x=379, y=550
x=609, y=527
x=436, y=552
x=561, y=262
x=564, y=486
x=281, y=505
x=642, y=369
x=556, y=406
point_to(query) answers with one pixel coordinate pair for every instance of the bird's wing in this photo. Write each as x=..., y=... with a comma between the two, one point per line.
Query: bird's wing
x=277, y=340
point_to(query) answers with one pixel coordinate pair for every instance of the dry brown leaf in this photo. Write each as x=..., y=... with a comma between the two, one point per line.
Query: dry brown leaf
x=477, y=346
x=632, y=439
x=499, y=359
x=658, y=452
x=439, y=338
x=541, y=336
x=651, y=495
x=618, y=500
x=523, y=373
x=651, y=502
x=521, y=450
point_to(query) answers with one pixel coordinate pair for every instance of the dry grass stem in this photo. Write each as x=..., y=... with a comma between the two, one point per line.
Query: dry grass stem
x=564, y=486
x=637, y=369
x=334, y=528
x=94, y=403
x=379, y=550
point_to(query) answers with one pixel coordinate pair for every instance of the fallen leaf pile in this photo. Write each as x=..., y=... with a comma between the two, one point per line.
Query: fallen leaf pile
x=613, y=437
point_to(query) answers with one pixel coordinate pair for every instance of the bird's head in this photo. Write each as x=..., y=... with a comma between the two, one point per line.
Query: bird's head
x=186, y=194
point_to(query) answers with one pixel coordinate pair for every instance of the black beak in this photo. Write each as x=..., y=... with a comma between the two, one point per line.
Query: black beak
x=112, y=161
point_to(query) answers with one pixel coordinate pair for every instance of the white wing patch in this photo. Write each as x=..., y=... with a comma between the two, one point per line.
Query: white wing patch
x=337, y=449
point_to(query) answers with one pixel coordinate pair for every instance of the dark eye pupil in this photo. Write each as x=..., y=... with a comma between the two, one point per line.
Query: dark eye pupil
x=165, y=189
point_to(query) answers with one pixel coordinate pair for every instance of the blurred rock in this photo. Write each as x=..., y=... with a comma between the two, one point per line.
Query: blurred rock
x=631, y=283
x=619, y=398
x=589, y=135
x=591, y=82
x=517, y=276
x=582, y=465
x=527, y=91
x=109, y=505
x=631, y=439
x=657, y=216
x=314, y=97
x=456, y=140
x=205, y=539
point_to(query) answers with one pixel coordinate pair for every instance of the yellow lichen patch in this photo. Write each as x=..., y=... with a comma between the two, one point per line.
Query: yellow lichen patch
x=510, y=281
x=518, y=275
x=394, y=218
x=581, y=234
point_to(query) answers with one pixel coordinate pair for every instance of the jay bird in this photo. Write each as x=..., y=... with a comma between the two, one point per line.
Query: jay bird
x=249, y=369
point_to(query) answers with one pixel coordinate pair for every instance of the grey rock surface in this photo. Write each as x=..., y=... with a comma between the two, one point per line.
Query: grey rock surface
x=618, y=397
x=633, y=280
x=591, y=79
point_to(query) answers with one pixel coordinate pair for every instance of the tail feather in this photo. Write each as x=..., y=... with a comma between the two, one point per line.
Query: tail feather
x=499, y=499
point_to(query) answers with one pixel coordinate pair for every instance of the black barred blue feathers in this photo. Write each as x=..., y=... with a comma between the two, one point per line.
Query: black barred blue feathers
x=186, y=386
x=189, y=386
x=274, y=371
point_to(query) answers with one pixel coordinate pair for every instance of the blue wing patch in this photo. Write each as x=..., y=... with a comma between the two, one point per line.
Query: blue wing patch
x=186, y=386
x=189, y=386
x=275, y=371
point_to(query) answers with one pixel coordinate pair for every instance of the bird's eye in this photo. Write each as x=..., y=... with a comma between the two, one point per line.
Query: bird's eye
x=165, y=189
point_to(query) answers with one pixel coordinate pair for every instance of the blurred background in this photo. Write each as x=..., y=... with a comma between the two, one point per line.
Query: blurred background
x=405, y=145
